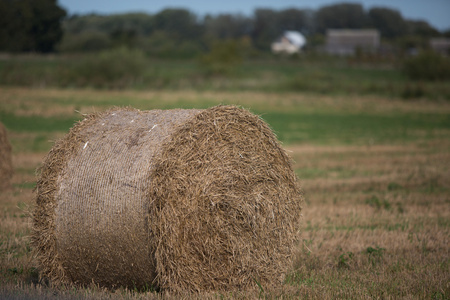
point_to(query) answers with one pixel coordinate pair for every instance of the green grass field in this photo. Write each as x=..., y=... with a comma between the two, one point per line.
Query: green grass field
x=374, y=169
x=308, y=73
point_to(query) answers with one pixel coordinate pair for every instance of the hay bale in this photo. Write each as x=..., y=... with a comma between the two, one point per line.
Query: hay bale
x=185, y=200
x=6, y=168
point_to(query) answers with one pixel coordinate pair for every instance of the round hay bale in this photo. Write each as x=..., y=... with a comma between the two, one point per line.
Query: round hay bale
x=184, y=200
x=6, y=168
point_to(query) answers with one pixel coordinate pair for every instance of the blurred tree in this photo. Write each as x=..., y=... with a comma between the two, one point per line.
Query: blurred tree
x=265, y=29
x=140, y=23
x=30, y=25
x=342, y=15
x=76, y=24
x=446, y=33
x=389, y=22
x=293, y=19
x=412, y=43
x=136, y=23
x=178, y=23
x=227, y=26
x=14, y=24
x=89, y=41
x=427, y=65
x=417, y=37
x=179, y=33
x=223, y=58
x=124, y=37
x=421, y=28
x=162, y=45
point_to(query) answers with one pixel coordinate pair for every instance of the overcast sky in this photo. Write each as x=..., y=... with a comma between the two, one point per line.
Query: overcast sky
x=436, y=12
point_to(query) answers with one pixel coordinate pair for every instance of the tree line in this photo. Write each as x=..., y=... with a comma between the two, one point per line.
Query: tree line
x=30, y=25
x=43, y=26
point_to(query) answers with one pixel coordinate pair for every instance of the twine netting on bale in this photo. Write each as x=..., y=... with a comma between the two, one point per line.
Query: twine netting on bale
x=6, y=168
x=185, y=200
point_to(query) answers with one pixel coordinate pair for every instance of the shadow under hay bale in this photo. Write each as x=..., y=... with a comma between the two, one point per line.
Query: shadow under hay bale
x=6, y=168
x=183, y=200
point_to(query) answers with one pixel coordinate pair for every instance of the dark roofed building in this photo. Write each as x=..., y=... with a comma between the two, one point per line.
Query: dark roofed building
x=441, y=45
x=346, y=41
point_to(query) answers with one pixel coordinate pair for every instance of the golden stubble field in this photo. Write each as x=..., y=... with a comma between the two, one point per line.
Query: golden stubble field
x=376, y=220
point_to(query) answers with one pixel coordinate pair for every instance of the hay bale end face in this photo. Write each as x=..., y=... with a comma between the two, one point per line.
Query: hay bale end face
x=6, y=168
x=185, y=200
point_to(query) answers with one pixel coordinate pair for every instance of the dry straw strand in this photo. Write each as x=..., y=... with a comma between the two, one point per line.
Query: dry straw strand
x=185, y=200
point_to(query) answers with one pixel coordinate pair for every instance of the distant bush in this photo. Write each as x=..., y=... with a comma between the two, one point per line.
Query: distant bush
x=223, y=57
x=29, y=70
x=413, y=91
x=162, y=45
x=427, y=66
x=85, y=42
x=117, y=68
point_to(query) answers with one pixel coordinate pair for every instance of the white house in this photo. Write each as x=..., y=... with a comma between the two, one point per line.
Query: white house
x=290, y=42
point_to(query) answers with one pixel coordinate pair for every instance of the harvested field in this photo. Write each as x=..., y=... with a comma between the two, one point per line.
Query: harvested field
x=376, y=214
x=6, y=168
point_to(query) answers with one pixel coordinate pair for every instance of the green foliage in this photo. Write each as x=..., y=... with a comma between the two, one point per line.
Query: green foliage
x=309, y=73
x=400, y=208
x=177, y=23
x=410, y=42
x=15, y=270
x=427, y=66
x=342, y=15
x=223, y=57
x=374, y=201
x=413, y=91
x=26, y=185
x=141, y=23
x=226, y=26
x=161, y=45
x=261, y=289
x=23, y=72
x=30, y=25
x=171, y=33
x=85, y=42
x=117, y=68
x=265, y=28
x=389, y=22
x=375, y=255
x=421, y=28
x=393, y=186
x=37, y=25
x=344, y=260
